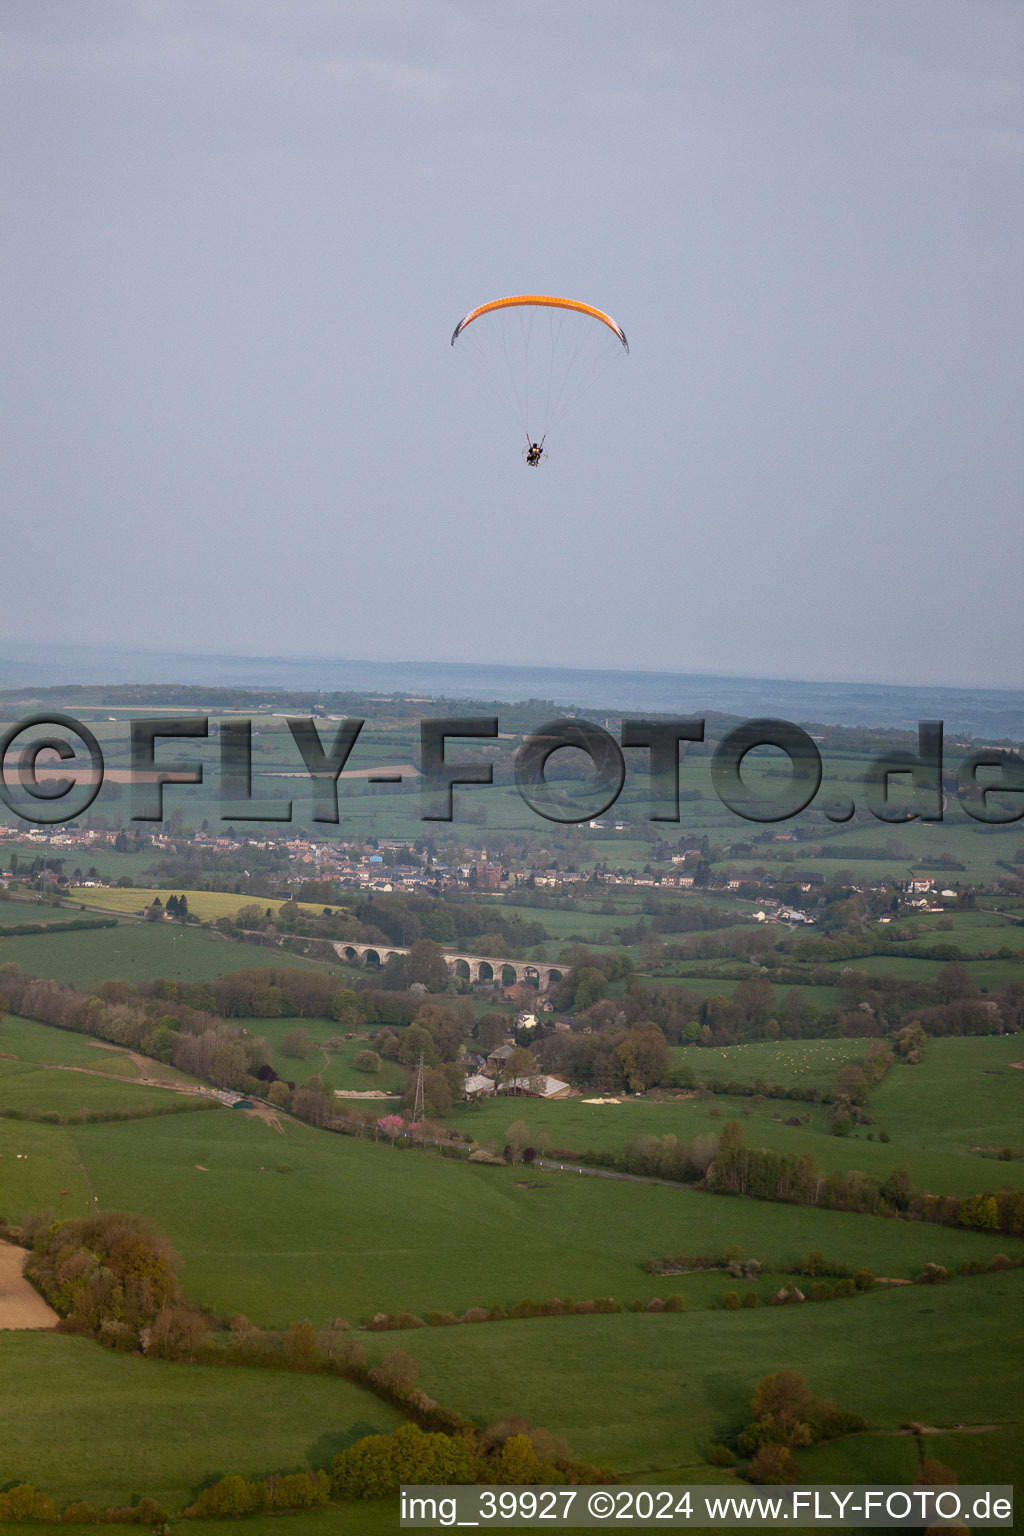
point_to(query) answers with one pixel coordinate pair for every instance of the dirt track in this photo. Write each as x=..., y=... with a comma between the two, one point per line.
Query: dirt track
x=20, y=1305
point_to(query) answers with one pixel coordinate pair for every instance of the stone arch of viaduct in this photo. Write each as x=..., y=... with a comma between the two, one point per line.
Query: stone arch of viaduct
x=466, y=967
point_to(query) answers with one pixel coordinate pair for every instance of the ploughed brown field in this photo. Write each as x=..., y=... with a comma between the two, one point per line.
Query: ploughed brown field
x=20, y=1305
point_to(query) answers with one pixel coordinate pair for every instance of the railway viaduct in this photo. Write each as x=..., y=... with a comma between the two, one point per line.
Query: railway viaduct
x=466, y=967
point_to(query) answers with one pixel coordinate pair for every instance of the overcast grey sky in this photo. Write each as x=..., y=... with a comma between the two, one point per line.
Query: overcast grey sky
x=237, y=236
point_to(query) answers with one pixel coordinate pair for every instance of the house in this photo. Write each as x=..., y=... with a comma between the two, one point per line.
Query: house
x=519, y=992
x=497, y=1059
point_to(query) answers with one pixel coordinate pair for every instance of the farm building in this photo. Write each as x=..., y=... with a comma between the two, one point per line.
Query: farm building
x=539, y=1086
x=477, y=1084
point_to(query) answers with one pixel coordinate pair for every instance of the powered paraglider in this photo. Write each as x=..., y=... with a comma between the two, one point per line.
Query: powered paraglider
x=539, y=354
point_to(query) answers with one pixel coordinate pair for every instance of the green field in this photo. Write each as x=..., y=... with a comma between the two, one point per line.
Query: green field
x=987, y=975
x=965, y=1094
x=69, y=1094
x=48, y=1070
x=40, y=1169
x=109, y=863
x=136, y=951
x=336, y=1065
x=103, y=1427
x=971, y=932
x=30, y=1041
x=32, y=910
x=789, y=1063
x=653, y=1392
x=325, y=1248
x=714, y=986
x=580, y=1127
x=589, y=927
x=354, y=1227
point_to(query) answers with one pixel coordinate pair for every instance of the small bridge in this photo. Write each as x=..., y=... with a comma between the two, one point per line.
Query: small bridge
x=463, y=967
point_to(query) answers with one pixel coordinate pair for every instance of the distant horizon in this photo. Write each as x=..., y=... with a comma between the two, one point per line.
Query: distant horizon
x=318, y=658
x=993, y=713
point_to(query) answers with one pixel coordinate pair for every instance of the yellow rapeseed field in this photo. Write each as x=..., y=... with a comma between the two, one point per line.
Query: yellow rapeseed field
x=206, y=905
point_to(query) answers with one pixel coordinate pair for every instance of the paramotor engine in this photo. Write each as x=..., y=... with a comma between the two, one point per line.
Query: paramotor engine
x=539, y=355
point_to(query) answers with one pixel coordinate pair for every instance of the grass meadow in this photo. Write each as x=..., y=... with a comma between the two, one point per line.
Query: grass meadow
x=300, y=1223
x=800, y=1064
x=101, y=1426
x=350, y=1227
x=580, y=1127
x=54, y=1071
x=335, y=1064
x=651, y=1392
x=987, y=975
x=39, y=1090
x=40, y=1170
x=34, y=910
x=136, y=951
x=715, y=986
x=964, y=1095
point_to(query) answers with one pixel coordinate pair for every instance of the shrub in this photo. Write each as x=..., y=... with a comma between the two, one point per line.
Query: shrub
x=815, y=1263
x=24, y=1502
x=118, y=1336
x=732, y=1301
x=750, y=1299
x=301, y=1349
x=378, y=1465
x=300, y=1490
x=396, y=1373
x=720, y=1456
x=232, y=1496
x=81, y=1513
x=176, y=1333
x=773, y=1464
x=385, y=1322
x=786, y=1296
x=675, y=1303
x=836, y=1423
x=932, y=1274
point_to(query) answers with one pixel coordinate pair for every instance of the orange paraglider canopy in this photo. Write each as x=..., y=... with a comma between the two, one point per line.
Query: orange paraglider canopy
x=544, y=301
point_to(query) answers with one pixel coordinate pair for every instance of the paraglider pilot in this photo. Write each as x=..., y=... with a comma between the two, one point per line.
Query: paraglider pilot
x=535, y=453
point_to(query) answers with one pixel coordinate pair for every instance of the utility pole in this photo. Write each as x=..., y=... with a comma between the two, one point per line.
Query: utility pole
x=419, y=1099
